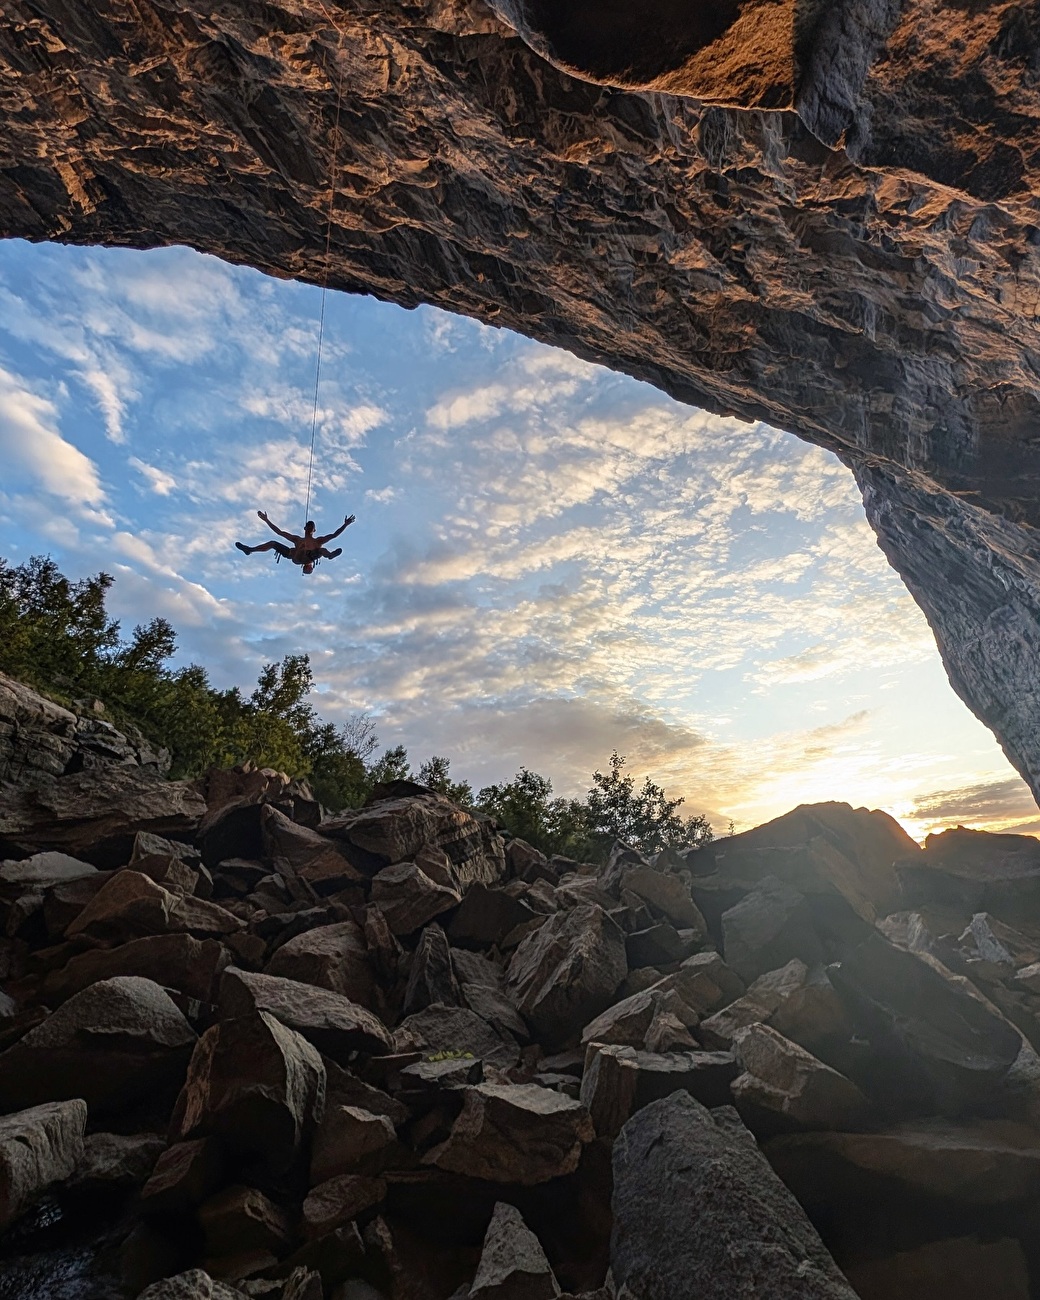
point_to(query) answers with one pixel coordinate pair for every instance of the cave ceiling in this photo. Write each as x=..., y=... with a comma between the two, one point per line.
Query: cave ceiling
x=826, y=217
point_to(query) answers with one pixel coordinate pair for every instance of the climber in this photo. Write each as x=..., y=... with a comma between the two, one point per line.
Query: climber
x=304, y=551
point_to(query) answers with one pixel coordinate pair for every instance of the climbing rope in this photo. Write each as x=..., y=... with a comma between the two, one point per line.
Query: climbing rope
x=328, y=256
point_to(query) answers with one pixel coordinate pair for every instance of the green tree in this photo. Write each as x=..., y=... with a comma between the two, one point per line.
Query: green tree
x=644, y=818
x=526, y=808
x=436, y=773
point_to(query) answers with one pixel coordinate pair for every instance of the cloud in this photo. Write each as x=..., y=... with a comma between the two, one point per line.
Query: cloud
x=30, y=439
x=1003, y=801
x=161, y=483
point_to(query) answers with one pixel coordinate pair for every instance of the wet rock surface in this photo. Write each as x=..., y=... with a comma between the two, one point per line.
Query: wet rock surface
x=309, y=1106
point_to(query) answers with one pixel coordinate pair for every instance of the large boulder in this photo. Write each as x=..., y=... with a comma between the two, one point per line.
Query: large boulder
x=397, y=827
x=431, y=977
x=955, y=1269
x=512, y=1265
x=336, y=1026
x=119, y=1041
x=193, y=1285
x=767, y=928
x=822, y=849
x=43, y=870
x=38, y=1147
x=349, y=1140
x=975, y=871
x=117, y=1160
x=934, y=1048
x=797, y=1001
x=95, y=814
x=440, y=1028
x=698, y=1214
x=130, y=905
x=297, y=850
x=667, y=895
x=785, y=1087
x=567, y=971
x=333, y=957
x=408, y=898
x=175, y=961
x=236, y=799
x=618, y=1081
x=515, y=1133
x=628, y=1022
x=255, y=1084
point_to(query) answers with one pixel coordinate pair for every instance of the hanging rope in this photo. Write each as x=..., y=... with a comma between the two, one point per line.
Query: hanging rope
x=325, y=273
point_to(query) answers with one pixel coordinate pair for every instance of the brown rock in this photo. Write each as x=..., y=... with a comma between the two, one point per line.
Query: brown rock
x=300, y=851
x=393, y=830
x=333, y=957
x=339, y=1200
x=176, y=961
x=799, y=1003
x=618, y=1081
x=525, y=862
x=241, y=1220
x=431, y=978
x=945, y=1270
x=487, y=916
x=349, y=1140
x=44, y=870
x=408, y=898
x=515, y=1133
x=567, y=971
x=785, y=1087
x=667, y=895
x=38, y=1147
x=256, y=1085
x=627, y=1023
x=183, y=1176
x=336, y=1026
x=767, y=928
x=457, y=1029
x=119, y=1041
x=131, y=905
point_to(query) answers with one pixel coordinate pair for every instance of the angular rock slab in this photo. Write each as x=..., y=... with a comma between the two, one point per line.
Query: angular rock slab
x=457, y=1029
x=349, y=1140
x=117, y=1160
x=699, y=1215
x=332, y=1023
x=333, y=957
x=38, y=1147
x=409, y=899
x=618, y=1081
x=515, y=1133
x=117, y=1042
x=786, y=1087
x=256, y=1085
x=934, y=1047
x=767, y=928
x=566, y=972
x=175, y=961
x=431, y=977
x=513, y=1265
x=193, y=1285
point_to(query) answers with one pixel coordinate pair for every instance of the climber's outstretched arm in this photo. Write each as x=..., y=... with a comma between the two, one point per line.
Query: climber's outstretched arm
x=274, y=527
x=345, y=524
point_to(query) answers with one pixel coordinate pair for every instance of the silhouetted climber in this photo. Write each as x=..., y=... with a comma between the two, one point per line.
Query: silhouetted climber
x=306, y=550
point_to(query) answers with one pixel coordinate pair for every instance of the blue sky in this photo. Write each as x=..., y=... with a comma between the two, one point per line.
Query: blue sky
x=549, y=560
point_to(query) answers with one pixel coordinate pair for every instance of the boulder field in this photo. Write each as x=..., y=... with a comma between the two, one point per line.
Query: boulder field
x=392, y=1054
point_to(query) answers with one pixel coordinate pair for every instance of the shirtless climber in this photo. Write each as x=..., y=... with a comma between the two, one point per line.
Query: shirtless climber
x=305, y=550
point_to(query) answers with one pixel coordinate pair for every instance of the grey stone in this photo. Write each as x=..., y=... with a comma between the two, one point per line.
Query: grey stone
x=767, y=928
x=117, y=1160
x=512, y=1265
x=196, y=1284
x=784, y=1086
x=409, y=899
x=334, y=957
x=43, y=870
x=38, y=1147
x=699, y=1214
x=457, y=1029
x=431, y=978
x=349, y=1141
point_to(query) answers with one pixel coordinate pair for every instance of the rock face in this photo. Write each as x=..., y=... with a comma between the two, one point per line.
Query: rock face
x=512, y=1263
x=38, y=1147
x=698, y=1214
x=664, y=193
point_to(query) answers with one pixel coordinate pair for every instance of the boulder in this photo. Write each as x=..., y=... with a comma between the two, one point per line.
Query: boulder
x=983, y=1163
x=628, y=1022
x=492, y=1006
x=115, y=1160
x=336, y=1026
x=785, y=1087
x=242, y=1220
x=131, y=905
x=176, y=961
x=408, y=898
x=255, y=1084
x=43, y=870
x=349, y=1140
x=487, y=916
x=183, y=1176
x=457, y=1029
x=566, y=972
x=668, y=896
x=512, y=1265
x=698, y=1214
x=94, y=815
x=515, y=1133
x=333, y=957
x=525, y=862
x=798, y=1002
x=296, y=850
x=955, y=1269
x=119, y=1041
x=339, y=1200
x=235, y=802
x=431, y=978
x=658, y=945
x=394, y=829
x=975, y=871
x=38, y=1147
x=618, y=1081
x=768, y=927
x=193, y=1285
x=934, y=1047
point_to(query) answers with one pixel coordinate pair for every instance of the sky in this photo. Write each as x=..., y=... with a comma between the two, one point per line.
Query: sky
x=550, y=560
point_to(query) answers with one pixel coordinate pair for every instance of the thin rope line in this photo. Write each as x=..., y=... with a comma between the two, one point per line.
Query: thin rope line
x=325, y=274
